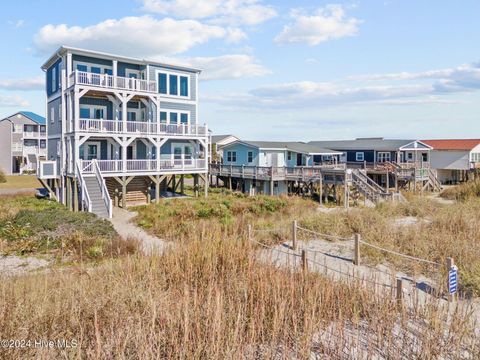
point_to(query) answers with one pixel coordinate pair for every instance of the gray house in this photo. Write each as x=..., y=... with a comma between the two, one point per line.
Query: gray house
x=120, y=129
x=23, y=142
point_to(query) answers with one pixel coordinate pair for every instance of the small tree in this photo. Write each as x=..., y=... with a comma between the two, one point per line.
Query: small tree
x=3, y=178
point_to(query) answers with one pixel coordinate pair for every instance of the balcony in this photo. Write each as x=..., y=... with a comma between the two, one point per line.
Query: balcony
x=34, y=150
x=32, y=134
x=140, y=128
x=147, y=166
x=112, y=82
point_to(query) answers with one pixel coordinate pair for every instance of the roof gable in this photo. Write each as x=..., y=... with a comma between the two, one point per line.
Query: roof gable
x=40, y=120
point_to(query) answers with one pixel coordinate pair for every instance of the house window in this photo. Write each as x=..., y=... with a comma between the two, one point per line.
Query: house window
x=383, y=156
x=289, y=155
x=163, y=117
x=184, y=118
x=52, y=114
x=162, y=83
x=173, y=118
x=360, y=156
x=84, y=113
x=17, y=128
x=475, y=157
x=231, y=156
x=43, y=144
x=410, y=156
x=173, y=85
x=54, y=79
x=132, y=116
x=43, y=128
x=183, y=86
x=250, y=156
x=59, y=112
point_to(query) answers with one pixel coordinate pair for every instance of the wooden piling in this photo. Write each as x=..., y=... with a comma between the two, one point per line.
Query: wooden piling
x=399, y=292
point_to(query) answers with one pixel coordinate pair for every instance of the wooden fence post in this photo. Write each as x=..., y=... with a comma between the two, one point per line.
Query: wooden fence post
x=399, y=292
x=294, y=235
x=356, y=259
x=304, y=261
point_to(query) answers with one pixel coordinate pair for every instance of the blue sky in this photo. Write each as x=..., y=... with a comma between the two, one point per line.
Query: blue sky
x=302, y=70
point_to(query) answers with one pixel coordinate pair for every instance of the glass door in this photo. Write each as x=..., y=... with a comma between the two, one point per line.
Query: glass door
x=92, y=151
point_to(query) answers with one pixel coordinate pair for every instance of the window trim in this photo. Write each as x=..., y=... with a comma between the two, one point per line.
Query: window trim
x=89, y=67
x=52, y=114
x=232, y=156
x=250, y=154
x=178, y=74
x=179, y=116
x=54, y=79
x=387, y=158
x=362, y=153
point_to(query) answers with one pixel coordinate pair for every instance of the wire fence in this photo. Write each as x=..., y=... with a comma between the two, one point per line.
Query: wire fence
x=304, y=255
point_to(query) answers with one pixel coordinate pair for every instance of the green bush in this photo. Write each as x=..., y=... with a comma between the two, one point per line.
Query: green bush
x=3, y=178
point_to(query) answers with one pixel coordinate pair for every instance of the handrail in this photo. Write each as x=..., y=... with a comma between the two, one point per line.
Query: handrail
x=103, y=187
x=85, y=195
x=113, y=81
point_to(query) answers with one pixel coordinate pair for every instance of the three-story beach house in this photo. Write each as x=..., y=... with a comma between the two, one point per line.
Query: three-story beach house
x=120, y=129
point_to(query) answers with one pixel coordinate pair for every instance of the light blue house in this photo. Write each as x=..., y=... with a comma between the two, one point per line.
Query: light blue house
x=273, y=157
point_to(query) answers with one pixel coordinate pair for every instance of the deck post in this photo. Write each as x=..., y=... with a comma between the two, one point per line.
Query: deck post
x=75, y=195
x=182, y=184
x=320, y=189
x=388, y=181
x=157, y=189
x=356, y=259
x=230, y=182
x=195, y=185
x=115, y=197
x=205, y=188
x=174, y=183
x=124, y=193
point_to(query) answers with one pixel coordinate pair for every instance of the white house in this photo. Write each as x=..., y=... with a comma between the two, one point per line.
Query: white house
x=454, y=159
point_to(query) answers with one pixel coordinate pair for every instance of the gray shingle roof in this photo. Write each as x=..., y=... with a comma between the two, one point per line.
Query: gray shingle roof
x=378, y=144
x=294, y=146
x=217, y=138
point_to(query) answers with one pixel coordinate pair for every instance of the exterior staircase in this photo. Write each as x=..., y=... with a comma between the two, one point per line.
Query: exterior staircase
x=369, y=188
x=94, y=190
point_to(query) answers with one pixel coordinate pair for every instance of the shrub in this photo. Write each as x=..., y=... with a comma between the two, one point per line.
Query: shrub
x=3, y=178
x=463, y=191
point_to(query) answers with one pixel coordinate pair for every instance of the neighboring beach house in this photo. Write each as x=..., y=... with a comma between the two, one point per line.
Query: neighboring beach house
x=372, y=151
x=120, y=128
x=454, y=159
x=23, y=142
x=217, y=142
x=267, y=156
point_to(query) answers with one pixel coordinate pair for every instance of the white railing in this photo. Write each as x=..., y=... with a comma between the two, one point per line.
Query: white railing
x=142, y=165
x=100, y=125
x=103, y=187
x=17, y=147
x=85, y=196
x=31, y=134
x=31, y=149
x=114, y=82
x=140, y=127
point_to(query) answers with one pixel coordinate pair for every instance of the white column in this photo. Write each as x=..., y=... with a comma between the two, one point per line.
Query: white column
x=76, y=110
x=114, y=71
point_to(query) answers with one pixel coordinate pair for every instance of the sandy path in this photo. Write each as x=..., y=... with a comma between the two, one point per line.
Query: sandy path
x=122, y=222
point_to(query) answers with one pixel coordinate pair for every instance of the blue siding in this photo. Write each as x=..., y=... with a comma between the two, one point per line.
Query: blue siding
x=242, y=154
x=164, y=105
x=166, y=149
x=53, y=89
x=90, y=60
x=122, y=67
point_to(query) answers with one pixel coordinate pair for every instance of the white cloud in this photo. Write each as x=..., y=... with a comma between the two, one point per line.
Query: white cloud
x=12, y=101
x=33, y=83
x=223, y=67
x=16, y=23
x=462, y=78
x=325, y=24
x=134, y=36
x=228, y=67
x=232, y=12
